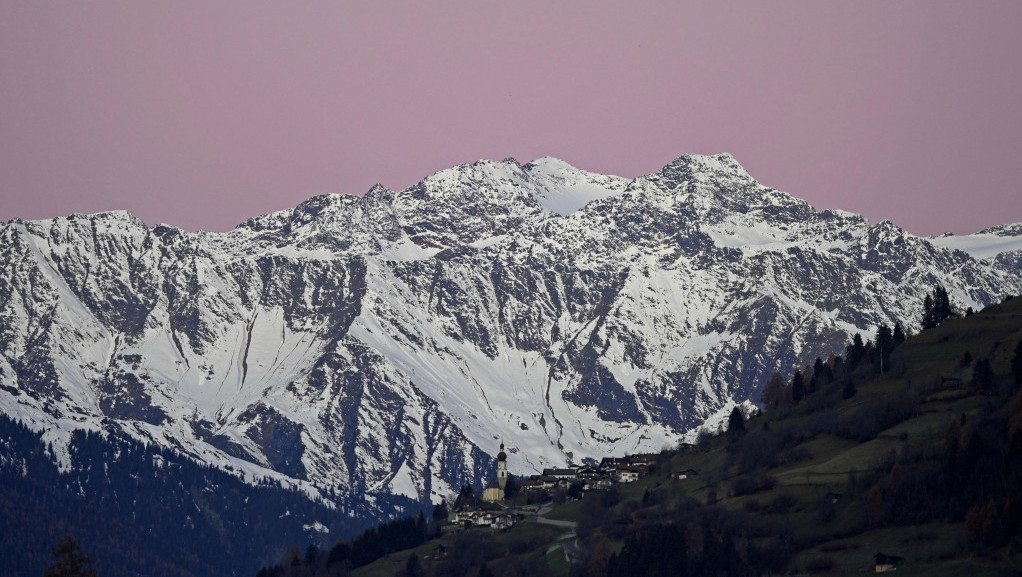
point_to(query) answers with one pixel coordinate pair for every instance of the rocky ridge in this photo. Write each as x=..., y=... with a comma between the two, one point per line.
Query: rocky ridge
x=386, y=344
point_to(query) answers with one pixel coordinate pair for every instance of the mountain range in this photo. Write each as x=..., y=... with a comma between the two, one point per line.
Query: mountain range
x=358, y=348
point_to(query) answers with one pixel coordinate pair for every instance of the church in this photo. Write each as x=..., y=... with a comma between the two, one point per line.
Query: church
x=493, y=494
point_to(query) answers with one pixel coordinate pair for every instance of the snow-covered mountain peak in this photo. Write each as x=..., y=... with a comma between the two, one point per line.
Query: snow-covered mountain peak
x=1014, y=229
x=379, y=193
x=717, y=164
x=986, y=244
x=563, y=189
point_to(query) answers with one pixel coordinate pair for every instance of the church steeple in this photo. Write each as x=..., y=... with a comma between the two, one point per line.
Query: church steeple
x=501, y=468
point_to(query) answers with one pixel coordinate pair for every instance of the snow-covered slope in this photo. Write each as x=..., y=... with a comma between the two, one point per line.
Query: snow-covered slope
x=985, y=244
x=387, y=344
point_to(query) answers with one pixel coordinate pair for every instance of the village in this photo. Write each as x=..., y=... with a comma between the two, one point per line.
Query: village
x=507, y=500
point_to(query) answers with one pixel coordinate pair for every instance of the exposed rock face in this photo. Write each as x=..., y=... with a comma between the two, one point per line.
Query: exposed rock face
x=385, y=344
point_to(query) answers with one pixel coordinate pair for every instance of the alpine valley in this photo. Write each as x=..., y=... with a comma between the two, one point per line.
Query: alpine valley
x=369, y=354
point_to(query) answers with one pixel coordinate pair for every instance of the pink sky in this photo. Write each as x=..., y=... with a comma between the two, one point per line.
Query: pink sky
x=202, y=114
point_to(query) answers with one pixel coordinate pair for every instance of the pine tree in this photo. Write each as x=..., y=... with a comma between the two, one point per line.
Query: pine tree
x=849, y=390
x=928, y=314
x=736, y=424
x=798, y=387
x=70, y=561
x=942, y=304
x=899, y=334
x=818, y=378
x=412, y=567
x=440, y=512
x=773, y=391
x=983, y=375
x=466, y=496
x=510, y=486
x=937, y=308
x=1016, y=364
x=855, y=352
x=884, y=344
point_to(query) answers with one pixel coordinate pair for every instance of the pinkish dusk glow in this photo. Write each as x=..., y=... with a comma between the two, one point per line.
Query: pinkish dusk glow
x=202, y=114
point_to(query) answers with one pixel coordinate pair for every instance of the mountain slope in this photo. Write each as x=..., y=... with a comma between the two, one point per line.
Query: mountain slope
x=385, y=344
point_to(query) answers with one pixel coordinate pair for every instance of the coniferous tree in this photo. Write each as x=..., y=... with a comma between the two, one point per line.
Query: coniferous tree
x=849, y=390
x=311, y=555
x=798, y=387
x=899, y=334
x=819, y=377
x=983, y=375
x=736, y=424
x=773, y=391
x=855, y=352
x=1016, y=364
x=510, y=486
x=884, y=344
x=440, y=512
x=928, y=314
x=966, y=359
x=466, y=496
x=936, y=308
x=70, y=561
x=942, y=304
x=412, y=567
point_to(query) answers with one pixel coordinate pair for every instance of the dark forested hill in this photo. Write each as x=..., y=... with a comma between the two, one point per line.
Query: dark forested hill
x=908, y=449
x=144, y=510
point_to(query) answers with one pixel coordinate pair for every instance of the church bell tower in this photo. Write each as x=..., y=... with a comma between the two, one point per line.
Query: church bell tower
x=501, y=468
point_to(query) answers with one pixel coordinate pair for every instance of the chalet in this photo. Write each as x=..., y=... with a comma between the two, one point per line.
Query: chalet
x=598, y=484
x=642, y=459
x=686, y=474
x=628, y=474
x=566, y=474
x=496, y=520
x=501, y=522
x=885, y=562
x=466, y=513
x=530, y=484
x=611, y=463
x=586, y=473
x=545, y=482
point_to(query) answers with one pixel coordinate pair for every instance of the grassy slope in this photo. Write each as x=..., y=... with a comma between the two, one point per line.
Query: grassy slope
x=826, y=464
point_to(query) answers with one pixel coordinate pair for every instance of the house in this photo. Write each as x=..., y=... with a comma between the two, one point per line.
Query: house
x=530, y=484
x=642, y=459
x=500, y=522
x=686, y=474
x=546, y=482
x=951, y=382
x=586, y=473
x=598, y=484
x=465, y=513
x=610, y=463
x=566, y=474
x=628, y=474
x=885, y=562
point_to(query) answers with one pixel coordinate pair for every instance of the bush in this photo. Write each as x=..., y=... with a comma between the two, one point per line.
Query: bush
x=819, y=564
x=752, y=483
